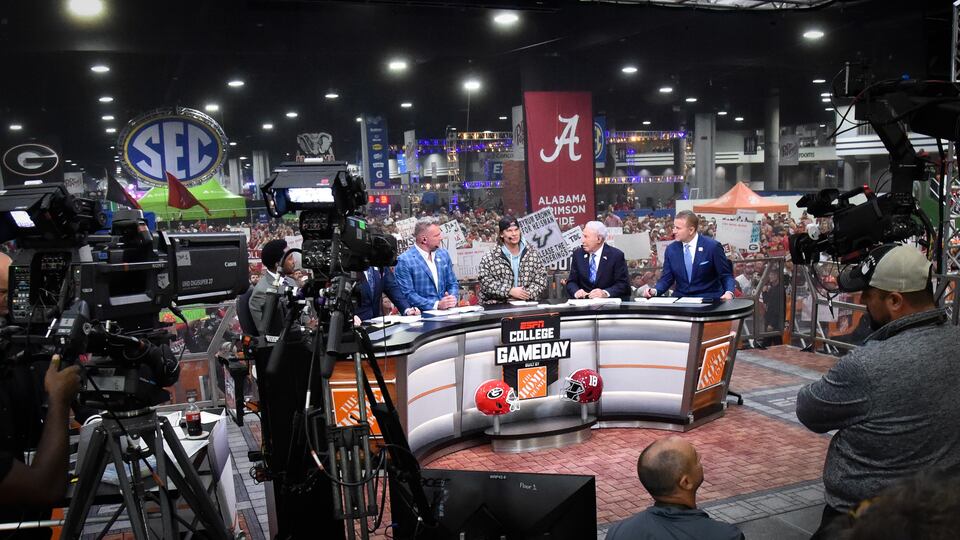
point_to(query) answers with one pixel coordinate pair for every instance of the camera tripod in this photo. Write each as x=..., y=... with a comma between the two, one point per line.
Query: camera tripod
x=116, y=441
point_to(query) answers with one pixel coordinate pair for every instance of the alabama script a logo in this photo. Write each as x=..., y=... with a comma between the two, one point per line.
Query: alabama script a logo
x=567, y=138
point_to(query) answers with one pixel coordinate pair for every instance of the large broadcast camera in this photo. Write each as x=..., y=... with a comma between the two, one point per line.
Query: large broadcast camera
x=74, y=292
x=890, y=107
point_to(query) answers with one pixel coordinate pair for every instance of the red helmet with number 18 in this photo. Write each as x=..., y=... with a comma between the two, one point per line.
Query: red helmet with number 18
x=583, y=386
x=495, y=397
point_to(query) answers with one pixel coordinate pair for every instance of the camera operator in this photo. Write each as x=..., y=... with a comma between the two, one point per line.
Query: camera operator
x=893, y=400
x=28, y=492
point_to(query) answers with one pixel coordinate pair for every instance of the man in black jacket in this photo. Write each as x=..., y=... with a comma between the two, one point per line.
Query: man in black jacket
x=670, y=470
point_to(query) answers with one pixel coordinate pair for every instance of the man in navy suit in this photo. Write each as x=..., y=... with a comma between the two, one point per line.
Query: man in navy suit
x=425, y=272
x=373, y=284
x=694, y=265
x=598, y=270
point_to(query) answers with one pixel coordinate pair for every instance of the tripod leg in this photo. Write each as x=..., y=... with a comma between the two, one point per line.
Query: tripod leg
x=167, y=508
x=95, y=460
x=134, y=509
x=191, y=487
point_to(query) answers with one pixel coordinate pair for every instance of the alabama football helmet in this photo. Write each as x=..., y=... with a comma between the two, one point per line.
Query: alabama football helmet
x=495, y=397
x=583, y=386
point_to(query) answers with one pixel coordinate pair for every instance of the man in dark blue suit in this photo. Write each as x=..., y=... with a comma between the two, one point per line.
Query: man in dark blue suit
x=694, y=265
x=598, y=270
x=373, y=284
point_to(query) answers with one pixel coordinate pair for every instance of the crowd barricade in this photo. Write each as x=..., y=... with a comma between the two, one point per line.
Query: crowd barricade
x=770, y=291
x=946, y=293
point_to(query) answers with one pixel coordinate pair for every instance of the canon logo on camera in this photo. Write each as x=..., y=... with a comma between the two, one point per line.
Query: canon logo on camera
x=30, y=159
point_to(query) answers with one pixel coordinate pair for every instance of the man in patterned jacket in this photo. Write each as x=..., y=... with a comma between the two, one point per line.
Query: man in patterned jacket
x=512, y=270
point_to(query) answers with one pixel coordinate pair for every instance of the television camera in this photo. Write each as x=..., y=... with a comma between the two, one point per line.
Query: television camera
x=73, y=291
x=337, y=246
x=927, y=107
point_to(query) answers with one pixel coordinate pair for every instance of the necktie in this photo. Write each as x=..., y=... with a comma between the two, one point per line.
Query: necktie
x=688, y=261
x=593, y=268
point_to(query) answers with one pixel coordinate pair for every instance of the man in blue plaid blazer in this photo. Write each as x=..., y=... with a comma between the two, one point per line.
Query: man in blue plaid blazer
x=425, y=272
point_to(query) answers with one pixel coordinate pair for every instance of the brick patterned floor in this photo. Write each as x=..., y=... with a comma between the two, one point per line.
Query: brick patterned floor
x=792, y=355
x=749, y=377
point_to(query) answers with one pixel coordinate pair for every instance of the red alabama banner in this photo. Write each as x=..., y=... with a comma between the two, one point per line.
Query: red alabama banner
x=560, y=154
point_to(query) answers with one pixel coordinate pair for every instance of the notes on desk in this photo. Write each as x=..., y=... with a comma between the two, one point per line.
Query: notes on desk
x=584, y=302
x=690, y=300
x=657, y=301
x=453, y=312
x=393, y=319
x=522, y=303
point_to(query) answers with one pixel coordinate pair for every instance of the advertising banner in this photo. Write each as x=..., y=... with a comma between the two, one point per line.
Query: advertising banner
x=789, y=150
x=599, y=142
x=375, y=152
x=519, y=134
x=411, y=152
x=23, y=162
x=542, y=232
x=559, y=154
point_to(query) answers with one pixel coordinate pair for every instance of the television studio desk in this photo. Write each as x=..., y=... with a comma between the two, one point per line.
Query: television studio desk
x=665, y=366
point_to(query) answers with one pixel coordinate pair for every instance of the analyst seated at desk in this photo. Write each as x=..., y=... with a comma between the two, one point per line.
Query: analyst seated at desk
x=425, y=272
x=512, y=270
x=694, y=265
x=598, y=270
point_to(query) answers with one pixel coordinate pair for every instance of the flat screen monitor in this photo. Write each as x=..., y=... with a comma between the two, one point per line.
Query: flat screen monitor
x=484, y=505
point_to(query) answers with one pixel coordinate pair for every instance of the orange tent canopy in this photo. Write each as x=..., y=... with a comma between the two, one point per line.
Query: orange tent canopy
x=740, y=197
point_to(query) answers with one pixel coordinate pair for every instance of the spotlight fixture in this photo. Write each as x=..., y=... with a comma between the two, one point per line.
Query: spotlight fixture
x=666, y=89
x=825, y=94
x=99, y=68
x=691, y=100
x=106, y=117
x=111, y=130
x=242, y=158
x=506, y=19
x=105, y=99
x=397, y=65
x=85, y=8
x=16, y=127
x=359, y=119
x=471, y=85
x=823, y=125
x=646, y=122
x=721, y=113
x=629, y=70
x=828, y=109
x=268, y=126
x=235, y=83
x=211, y=107
x=819, y=81
x=292, y=114
x=406, y=105
x=233, y=143
x=813, y=34
x=738, y=119
x=503, y=118
x=331, y=95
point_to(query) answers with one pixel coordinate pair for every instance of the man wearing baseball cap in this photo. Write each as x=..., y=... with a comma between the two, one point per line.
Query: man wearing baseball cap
x=893, y=401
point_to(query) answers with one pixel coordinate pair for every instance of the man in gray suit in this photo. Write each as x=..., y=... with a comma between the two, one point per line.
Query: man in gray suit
x=270, y=256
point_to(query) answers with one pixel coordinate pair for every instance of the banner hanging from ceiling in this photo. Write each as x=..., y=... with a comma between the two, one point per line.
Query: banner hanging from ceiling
x=376, y=155
x=24, y=161
x=560, y=156
x=185, y=143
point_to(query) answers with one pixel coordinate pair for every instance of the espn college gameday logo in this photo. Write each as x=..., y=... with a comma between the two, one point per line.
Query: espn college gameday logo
x=531, y=339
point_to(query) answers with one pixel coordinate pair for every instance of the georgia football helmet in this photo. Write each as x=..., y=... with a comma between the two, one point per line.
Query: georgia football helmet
x=583, y=386
x=495, y=397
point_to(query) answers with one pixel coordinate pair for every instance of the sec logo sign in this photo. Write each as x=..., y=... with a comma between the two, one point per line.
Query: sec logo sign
x=30, y=160
x=184, y=142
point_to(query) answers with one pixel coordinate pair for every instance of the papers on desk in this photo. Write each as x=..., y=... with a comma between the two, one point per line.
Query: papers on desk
x=393, y=319
x=453, y=312
x=522, y=303
x=690, y=300
x=584, y=302
x=657, y=300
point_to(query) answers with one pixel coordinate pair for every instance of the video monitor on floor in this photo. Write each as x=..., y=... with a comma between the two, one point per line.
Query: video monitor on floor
x=480, y=505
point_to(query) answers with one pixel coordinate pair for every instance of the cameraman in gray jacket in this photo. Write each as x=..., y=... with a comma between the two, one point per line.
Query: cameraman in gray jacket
x=893, y=401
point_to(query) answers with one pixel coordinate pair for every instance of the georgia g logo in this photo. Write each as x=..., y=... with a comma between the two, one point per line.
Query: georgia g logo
x=495, y=392
x=30, y=159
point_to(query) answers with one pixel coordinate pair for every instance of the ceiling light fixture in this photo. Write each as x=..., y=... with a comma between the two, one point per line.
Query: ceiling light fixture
x=629, y=70
x=359, y=119
x=819, y=81
x=292, y=114
x=828, y=109
x=471, y=85
x=666, y=89
x=722, y=113
x=738, y=119
x=106, y=117
x=16, y=127
x=397, y=65
x=331, y=95
x=691, y=100
x=211, y=107
x=99, y=68
x=235, y=83
x=503, y=117
x=825, y=94
x=86, y=8
x=823, y=125
x=406, y=104
x=233, y=143
x=506, y=19
x=825, y=100
x=111, y=130
x=243, y=158
x=646, y=122
x=813, y=34
x=268, y=126
x=105, y=99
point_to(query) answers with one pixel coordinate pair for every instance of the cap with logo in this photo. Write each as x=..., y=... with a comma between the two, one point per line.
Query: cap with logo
x=890, y=267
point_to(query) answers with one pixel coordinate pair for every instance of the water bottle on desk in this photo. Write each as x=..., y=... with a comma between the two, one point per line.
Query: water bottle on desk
x=194, y=428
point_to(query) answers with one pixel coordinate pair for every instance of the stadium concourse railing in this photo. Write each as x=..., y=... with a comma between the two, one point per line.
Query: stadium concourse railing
x=829, y=321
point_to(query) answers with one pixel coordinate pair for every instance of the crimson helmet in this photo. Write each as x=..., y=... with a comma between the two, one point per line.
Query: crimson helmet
x=583, y=386
x=495, y=397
